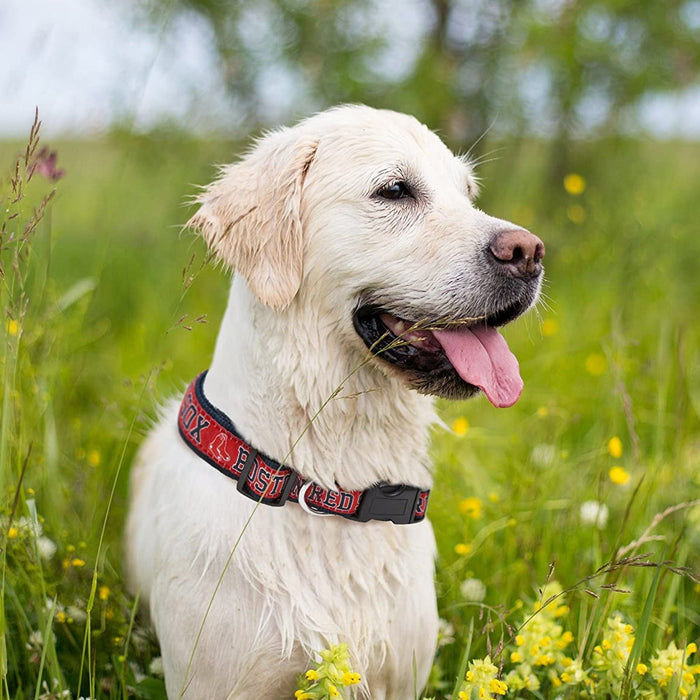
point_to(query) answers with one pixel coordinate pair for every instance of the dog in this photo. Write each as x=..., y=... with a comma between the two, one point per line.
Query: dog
x=280, y=506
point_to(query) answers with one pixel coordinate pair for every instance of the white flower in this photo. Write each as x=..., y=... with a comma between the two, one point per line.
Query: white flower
x=543, y=455
x=139, y=675
x=76, y=614
x=594, y=513
x=155, y=668
x=35, y=640
x=51, y=605
x=473, y=590
x=446, y=633
x=53, y=692
x=46, y=546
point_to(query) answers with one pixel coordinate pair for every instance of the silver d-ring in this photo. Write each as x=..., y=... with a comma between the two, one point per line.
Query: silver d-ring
x=305, y=506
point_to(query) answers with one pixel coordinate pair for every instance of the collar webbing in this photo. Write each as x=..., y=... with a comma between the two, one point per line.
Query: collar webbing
x=210, y=434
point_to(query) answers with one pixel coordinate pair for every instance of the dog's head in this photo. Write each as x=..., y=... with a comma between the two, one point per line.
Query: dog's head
x=366, y=214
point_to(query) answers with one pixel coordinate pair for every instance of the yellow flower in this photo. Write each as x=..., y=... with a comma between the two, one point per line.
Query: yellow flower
x=576, y=214
x=94, y=458
x=311, y=675
x=619, y=476
x=463, y=549
x=481, y=678
x=12, y=327
x=61, y=616
x=542, y=412
x=77, y=563
x=642, y=669
x=498, y=687
x=333, y=691
x=103, y=592
x=596, y=364
x=471, y=507
x=351, y=678
x=12, y=533
x=615, y=447
x=574, y=184
x=549, y=327
x=302, y=695
x=460, y=426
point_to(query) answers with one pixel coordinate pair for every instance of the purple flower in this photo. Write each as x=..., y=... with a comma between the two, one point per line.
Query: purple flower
x=44, y=163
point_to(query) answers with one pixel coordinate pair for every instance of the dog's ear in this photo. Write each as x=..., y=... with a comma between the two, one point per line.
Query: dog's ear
x=251, y=216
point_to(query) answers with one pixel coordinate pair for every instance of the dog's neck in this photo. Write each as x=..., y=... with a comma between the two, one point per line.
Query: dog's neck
x=285, y=384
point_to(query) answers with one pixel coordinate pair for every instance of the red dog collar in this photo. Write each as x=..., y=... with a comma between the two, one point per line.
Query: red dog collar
x=211, y=435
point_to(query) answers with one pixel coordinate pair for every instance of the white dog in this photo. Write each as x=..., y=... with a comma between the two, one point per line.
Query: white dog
x=367, y=282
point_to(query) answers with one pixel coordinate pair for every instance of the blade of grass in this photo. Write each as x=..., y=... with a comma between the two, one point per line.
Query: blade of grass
x=464, y=661
x=642, y=631
x=100, y=546
x=127, y=640
x=46, y=633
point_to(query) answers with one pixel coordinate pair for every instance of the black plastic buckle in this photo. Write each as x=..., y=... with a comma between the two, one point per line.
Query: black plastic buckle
x=389, y=502
x=242, y=485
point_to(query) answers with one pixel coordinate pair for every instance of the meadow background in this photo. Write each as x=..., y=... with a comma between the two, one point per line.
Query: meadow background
x=590, y=483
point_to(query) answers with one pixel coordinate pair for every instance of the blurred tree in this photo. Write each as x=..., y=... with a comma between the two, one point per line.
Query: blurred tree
x=594, y=62
x=555, y=67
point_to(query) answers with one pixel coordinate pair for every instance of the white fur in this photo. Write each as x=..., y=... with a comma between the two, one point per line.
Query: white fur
x=297, y=219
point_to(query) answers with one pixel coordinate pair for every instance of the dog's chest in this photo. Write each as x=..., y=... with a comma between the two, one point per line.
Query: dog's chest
x=367, y=584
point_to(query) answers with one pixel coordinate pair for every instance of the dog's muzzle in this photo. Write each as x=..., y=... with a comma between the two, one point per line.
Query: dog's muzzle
x=451, y=356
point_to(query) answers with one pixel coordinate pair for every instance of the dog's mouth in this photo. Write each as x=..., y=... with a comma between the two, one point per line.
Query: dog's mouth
x=450, y=358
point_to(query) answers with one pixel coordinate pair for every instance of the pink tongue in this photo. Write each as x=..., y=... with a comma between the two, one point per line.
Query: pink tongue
x=481, y=356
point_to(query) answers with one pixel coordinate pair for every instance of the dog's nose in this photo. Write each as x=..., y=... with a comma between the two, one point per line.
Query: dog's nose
x=519, y=251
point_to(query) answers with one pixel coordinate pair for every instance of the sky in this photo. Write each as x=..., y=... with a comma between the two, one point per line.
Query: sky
x=86, y=64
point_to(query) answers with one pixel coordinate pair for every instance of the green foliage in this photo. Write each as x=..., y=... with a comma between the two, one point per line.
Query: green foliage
x=461, y=65
x=600, y=457
x=105, y=310
x=538, y=662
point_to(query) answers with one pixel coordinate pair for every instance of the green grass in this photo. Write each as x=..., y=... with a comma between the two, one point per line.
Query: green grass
x=102, y=318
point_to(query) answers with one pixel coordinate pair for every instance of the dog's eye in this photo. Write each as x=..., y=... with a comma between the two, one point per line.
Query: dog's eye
x=396, y=190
